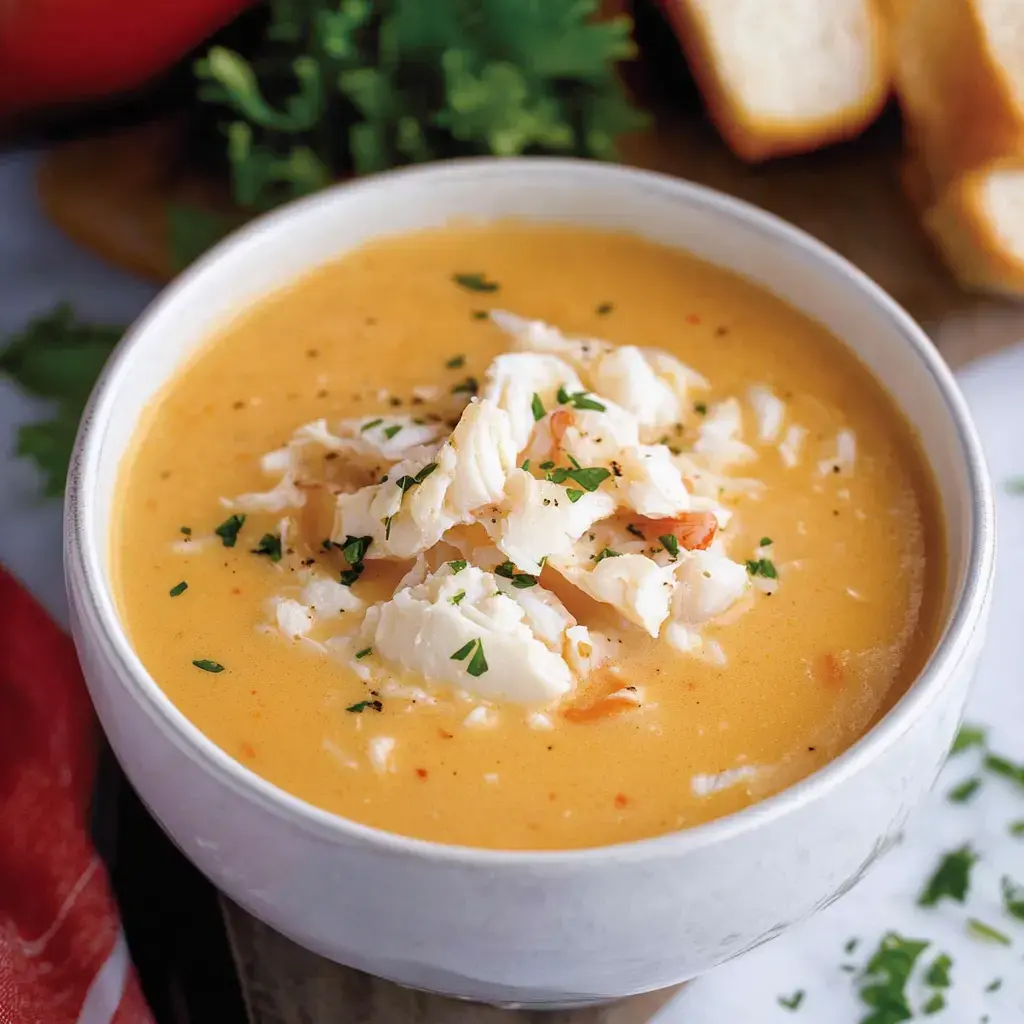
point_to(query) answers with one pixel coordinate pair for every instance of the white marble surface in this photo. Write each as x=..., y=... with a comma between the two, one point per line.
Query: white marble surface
x=39, y=267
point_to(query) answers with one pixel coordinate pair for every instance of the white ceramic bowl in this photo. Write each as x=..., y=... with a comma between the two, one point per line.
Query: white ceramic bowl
x=517, y=927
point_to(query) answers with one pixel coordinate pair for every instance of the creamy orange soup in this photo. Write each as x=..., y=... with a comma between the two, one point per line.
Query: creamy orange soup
x=799, y=565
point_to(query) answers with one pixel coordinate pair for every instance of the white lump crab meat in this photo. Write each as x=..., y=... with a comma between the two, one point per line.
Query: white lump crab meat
x=652, y=385
x=480, y=633
x=409, y=511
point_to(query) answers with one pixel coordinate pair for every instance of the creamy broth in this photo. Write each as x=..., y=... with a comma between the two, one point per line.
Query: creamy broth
x=785, y=681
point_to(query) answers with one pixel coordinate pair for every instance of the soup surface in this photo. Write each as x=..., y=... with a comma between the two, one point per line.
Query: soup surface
x=709, y=580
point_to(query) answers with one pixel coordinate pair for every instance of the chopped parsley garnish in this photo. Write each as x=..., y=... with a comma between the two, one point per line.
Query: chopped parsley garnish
x=589, y=478
x=951, y=879
x=478, y=663
x=765, y=542
x=937, y=975
x=373, y=705
x=965, y=791
x=792, y=1002
x=1013, y=898
x=967, y=737
x=458, y=564
x=635, y=530
x=179, y=588
x=363, y=653
x=354, y=551
x=604, y=309
x=208, y=666
x=986, y=933
x=405, y=482
x=671, y=544
x=269, y=545
x=573, y=495
x=886, y=977
x=999, y=765
x=390, y=432
x=228, y=530
x=1017, y=829
x=934, y=1003
x=762, y=567
x=994, y=985
x=547, y=465
x=470, y=386
x=457, y=362
x=520, y=580
x=187, y=530
x=537, y=406
x=457, y=598
x=387, y=527
x=373, y=423
x=700, y=408
x=579, y=400
x=475, y=282
x=851, y=946
x=479, y=314
x=1015, y=485
x=607, y=553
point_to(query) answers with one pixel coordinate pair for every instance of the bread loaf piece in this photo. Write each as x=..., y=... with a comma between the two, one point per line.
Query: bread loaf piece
x=785, y=76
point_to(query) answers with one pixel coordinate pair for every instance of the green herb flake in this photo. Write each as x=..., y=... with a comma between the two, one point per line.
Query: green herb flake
x=994, y=985
x=458, y=564
x=952, y=878
x=700, y=408
x=523, y=580
x=792, y=1002
x=469, y=386
x=208, y=666
x=765, y=542
x=1015, y=485
x=965, y=792
x=573, y=495
x=464, y=651
x=478, y=663
x=967, y=737
x=671, y=544
x=525, y=466
x=579, y=400
x=589, y=479
x=851, y=946
x=373, y=423
x=937, y=975
x=228, y=530
x=456, y=362
x=390, y=432
x=604, y=309
x=479, y=314
x=1016, y=829
x=547, y=465
x=607, y=553
x=1013, y=897
x=537, y=406
x=363, y=705
x=886, y=977
x=457, y=598
x=986, y=933
x=933, y=1004
x=363, y=653
x=475, y=282
x=762, y=567
x=635, y=530
x=269, y=545
x=1004, y=767
x=387, y=527
x=178, y=589
x=187, y=530
x=354, y=549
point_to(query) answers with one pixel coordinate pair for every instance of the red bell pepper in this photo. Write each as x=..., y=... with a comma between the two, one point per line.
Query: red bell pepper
x=61, y=51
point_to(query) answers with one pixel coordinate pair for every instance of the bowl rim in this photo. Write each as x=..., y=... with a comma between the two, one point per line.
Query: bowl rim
x=86, y=562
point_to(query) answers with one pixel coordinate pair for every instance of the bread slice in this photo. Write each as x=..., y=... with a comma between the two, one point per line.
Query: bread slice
x=785, y=76
x=978, y=226
x=959, y=75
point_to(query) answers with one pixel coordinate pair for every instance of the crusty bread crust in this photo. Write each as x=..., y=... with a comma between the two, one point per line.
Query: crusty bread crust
x=972, y=245
x=757, y=139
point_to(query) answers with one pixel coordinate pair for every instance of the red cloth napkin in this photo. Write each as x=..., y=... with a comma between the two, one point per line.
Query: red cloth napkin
x=63, y=958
